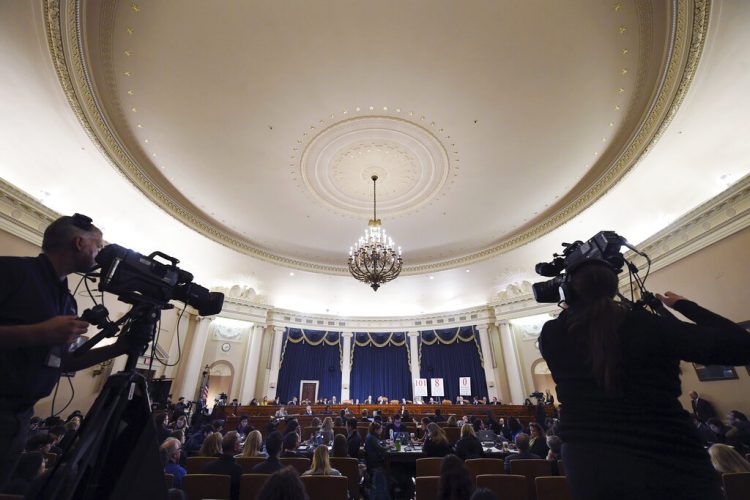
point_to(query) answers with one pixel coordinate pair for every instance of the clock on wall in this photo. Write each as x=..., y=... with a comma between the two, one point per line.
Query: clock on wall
x=225, y=347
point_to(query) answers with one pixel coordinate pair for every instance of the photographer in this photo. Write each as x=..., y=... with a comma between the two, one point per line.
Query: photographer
x=617, y=372
x=38, y=321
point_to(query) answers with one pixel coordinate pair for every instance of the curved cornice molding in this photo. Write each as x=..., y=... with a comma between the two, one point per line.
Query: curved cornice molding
x=688, y=31
x=718, y=218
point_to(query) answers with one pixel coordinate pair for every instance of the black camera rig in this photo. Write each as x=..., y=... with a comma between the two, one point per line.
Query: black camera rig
x=604, y=247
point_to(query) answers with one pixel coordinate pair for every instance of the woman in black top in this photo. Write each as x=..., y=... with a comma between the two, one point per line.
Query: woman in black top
x=617, y=372
x=537, y=440
x=469, y=446
x=436, y=443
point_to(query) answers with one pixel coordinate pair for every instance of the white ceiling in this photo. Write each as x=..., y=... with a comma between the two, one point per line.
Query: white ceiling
x=517, y=100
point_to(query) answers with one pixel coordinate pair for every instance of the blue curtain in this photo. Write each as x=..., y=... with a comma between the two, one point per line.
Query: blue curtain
x=449, y=362
x=380, y=371
x=302, y=361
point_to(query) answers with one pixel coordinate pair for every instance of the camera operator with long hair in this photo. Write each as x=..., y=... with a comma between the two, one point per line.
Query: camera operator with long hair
x=38, y=320
x=617, y=372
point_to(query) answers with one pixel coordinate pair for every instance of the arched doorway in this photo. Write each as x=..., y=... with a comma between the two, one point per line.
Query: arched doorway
x=220, y=379
x=542, y=377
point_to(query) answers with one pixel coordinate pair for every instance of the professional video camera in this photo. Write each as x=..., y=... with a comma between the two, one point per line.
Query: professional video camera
x=603, y=247
x=148, y=285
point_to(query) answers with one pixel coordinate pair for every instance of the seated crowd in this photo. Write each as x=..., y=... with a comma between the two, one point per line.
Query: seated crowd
x=511, y=440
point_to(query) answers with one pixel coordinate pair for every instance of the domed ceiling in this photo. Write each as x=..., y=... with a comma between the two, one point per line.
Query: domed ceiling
x=259, y=124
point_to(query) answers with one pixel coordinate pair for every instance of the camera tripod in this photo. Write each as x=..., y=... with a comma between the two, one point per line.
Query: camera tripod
x=115, y=453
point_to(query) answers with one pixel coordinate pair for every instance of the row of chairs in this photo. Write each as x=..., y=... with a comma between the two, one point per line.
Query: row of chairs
x=349, y=467
x=202, y=486
x=505, y=486
x=529, y=470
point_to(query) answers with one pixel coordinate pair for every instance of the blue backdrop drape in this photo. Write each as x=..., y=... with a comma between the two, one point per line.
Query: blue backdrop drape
x=450, y=354
x=310, y=355
x=380, y=366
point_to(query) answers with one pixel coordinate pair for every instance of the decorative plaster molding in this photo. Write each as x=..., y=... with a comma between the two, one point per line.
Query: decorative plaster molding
x=689, y=23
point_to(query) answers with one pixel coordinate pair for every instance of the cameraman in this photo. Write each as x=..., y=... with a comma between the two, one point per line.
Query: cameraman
x=38, y=320
x=617, y=372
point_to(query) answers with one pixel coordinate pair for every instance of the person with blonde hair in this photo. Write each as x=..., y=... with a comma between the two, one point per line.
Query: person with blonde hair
x=436, y=443
x=211, y=446
x=321, y=465
x=326, y=430
x=726, y=459
x=469, y=446
x=253, y=445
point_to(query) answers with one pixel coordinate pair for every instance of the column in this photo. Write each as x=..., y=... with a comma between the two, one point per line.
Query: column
x=346, y=369
x=273, y=379
x=414, y=351
x=195, y=359
x=489, y=372
x=250, y=374
x=512, y=366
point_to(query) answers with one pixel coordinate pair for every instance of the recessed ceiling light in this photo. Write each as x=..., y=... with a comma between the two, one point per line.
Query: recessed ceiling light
x=468, y=270
x=432, y=277
x=291, y=274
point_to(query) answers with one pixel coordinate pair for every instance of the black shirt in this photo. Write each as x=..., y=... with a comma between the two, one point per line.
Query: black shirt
x=353, y=442
x=30, y=292
x=469, y=447
x=647, y=420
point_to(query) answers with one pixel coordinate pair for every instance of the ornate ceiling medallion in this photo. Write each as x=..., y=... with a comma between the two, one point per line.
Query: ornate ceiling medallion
x=412, y=165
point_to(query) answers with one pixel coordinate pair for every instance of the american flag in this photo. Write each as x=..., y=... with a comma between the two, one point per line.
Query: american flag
x=204, y=391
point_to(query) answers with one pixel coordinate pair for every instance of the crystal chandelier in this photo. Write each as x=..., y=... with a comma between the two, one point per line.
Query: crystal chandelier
x=373, y=259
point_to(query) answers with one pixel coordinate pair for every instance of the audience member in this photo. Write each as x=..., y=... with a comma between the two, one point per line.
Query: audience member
x=321, y=465
x=339, y=449
x=353, y=439
x=57, y=432
x=196, y=440
x=226, y=465
x=375, y=454
x=452, y=421
x=211, y=446
x=537, y=442
x=253, y=445
x=725, y=459
x=30, y=466
x=438, y=416
x=326, y=430
x=273, y=448
x=436, y=443
x=469, y=446
x=395, y=427
x=702, y=409
x=244, y=427
x=170, y=455
x=455, y=480
x=180, y=423
x=522, y=443
x=290, y=445
x=292, y=426
x=283, y=484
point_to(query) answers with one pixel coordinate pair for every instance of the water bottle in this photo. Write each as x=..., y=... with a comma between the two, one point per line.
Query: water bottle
x=398, y=444
x=390, y=432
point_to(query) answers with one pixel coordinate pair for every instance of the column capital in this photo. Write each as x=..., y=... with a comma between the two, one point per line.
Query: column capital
x=483, y=327
x=279, y=330
x=259, y=326
x=503, y=322
x=347, y=335
x=413, y=334
x=207, y=319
